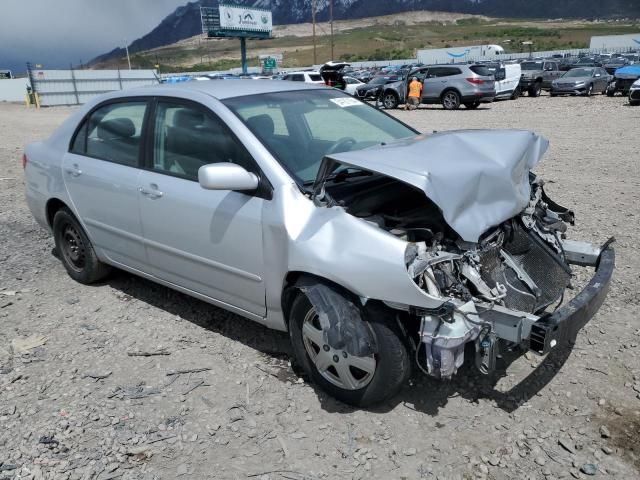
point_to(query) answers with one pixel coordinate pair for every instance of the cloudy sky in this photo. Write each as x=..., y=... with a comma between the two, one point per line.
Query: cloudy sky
x=55, y=33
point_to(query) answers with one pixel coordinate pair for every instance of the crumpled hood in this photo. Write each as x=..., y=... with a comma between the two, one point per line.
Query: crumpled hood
x=478, y=178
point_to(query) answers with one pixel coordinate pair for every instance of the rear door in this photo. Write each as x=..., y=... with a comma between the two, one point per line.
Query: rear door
x=101, y=173
x=209, y=242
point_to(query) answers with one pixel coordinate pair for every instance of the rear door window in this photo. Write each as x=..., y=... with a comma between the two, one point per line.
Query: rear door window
x=480, y=70
x=297, y=78
x=113, y=133
x=314, y=77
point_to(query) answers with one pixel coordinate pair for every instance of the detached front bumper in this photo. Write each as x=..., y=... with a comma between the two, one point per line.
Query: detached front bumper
x=562, y=326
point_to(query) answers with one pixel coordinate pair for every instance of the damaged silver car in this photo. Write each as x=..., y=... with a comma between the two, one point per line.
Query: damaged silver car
x=378, y=249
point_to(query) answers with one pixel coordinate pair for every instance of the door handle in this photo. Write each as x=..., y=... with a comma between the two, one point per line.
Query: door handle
x=150, y=193
x=74, y=171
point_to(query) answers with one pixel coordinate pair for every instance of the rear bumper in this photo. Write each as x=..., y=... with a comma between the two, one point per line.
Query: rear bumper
x=482, y=97
x=562, y=326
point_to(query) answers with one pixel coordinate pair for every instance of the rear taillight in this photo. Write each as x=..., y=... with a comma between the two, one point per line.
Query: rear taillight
x=475, y=81
x=24, y=160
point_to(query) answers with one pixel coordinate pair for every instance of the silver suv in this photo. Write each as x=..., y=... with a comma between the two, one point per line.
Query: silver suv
x=450, y=85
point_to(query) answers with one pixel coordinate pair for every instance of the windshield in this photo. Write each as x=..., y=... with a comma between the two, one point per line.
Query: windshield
x=379, y=81
x=579, y=72
x=531, y=65
x=301, y=127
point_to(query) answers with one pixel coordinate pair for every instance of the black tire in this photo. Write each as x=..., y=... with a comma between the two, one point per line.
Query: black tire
x=610, y=92
x=390, y=100
x=450, y=100
x=634, y=103
x=589, y=91
x=75, y=250
x=535, y=89
x=553, y=94
x=392, y=363
x=516, y=94
x=472, y=105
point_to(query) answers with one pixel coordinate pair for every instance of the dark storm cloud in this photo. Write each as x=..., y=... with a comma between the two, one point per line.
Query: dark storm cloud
x=56, y=33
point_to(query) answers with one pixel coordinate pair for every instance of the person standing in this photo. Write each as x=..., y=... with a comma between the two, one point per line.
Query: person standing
x=415, y=94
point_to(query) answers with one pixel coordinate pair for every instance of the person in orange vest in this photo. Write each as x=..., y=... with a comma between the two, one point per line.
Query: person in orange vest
x=415, y=94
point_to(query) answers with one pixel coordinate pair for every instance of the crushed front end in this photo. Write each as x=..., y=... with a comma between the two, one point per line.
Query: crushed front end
x=484, y=244
x=507, y=290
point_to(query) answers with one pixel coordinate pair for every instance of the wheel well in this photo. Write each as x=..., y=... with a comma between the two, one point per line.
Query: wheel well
x=295, y=279
x=450, y=89
x=53, y=206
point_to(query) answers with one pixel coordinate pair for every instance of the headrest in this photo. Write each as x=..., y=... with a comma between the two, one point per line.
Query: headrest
x=188, y=118
x=262, y=125
x=116, y=128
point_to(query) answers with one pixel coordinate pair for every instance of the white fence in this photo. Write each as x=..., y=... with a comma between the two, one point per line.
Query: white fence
x=13, y=90
x=75, y=87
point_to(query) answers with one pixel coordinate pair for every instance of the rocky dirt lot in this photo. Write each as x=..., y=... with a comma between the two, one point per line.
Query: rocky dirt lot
x=130, y=380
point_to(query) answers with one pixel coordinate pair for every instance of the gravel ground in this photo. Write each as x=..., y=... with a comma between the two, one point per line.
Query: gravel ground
x=78, y=402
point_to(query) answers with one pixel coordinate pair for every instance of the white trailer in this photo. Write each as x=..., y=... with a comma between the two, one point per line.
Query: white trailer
x=460, y=54
x=616, y=42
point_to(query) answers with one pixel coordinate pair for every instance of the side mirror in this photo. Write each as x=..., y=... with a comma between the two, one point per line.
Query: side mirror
x=226, y=176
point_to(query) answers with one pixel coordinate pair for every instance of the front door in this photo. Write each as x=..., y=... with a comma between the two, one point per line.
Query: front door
x=207, y=241
x=101, y=175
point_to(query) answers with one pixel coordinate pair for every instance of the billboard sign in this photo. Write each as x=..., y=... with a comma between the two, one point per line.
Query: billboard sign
x=245, y=19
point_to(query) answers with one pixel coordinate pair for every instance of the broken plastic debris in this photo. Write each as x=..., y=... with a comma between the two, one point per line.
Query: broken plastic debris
x=23, y=345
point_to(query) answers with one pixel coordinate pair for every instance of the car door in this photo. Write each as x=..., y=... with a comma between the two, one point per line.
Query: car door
x=101, y=173
x=432, y=85
x=601, y=78
x=207, y=241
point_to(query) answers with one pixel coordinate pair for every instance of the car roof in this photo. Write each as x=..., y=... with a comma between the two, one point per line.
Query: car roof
x=222, y=89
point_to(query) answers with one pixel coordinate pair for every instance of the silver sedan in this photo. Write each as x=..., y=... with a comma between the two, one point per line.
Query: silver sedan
x=306, y=210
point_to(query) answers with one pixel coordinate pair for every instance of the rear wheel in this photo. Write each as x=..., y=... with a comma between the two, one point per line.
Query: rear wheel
x=610, y=92
x=472, y=105
x=75, y=249
x=451, y=100
x=359, y=380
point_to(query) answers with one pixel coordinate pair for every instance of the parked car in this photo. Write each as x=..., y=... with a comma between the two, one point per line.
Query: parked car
x=582, y=81
x=332, y=74
x=623, y=79
x=306, y=210
x=537, y=75
x=451, y=86
x=371, y=90
x=615, y=63
x=634, y=93
x=587, y=62
x=351, y=83
x=306, y=77
x=507, y=77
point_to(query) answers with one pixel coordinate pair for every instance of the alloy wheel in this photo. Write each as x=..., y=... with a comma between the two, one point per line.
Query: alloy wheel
x=450, y=101
x=337, y=366
x=389, y=101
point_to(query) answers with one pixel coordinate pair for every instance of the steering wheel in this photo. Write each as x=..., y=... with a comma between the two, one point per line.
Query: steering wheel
x=342, y=145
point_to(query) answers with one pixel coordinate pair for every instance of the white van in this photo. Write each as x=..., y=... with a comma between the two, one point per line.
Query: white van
x=507, y=77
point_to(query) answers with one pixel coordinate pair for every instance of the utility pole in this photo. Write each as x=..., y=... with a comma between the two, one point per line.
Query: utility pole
x=313, y=20
x=126, y=46
x=331, y=21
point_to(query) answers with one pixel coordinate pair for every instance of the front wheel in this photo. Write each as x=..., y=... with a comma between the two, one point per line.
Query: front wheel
x=390, y=101
x=451, y=100
x=75, y=249
x=516, y=93
x=374, y=372
x=589, y=91
x=535, y=89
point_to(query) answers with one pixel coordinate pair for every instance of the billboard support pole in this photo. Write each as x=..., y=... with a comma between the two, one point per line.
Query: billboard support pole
x=243, y=54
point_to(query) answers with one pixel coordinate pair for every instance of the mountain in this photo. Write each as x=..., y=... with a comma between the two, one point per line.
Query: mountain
x=185, y=21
